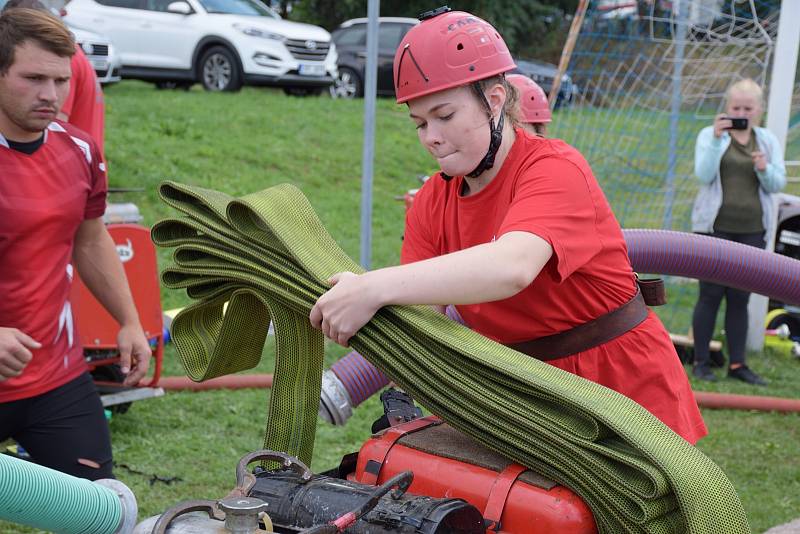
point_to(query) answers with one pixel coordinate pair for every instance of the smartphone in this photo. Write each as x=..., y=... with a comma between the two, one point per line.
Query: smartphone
x=738, y=123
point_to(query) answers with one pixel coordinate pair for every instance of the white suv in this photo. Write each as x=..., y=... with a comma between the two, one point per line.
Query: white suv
x=222, y=44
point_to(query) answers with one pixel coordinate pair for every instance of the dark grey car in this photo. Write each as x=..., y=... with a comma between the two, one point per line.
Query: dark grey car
x=351, y=44
x=544, y=74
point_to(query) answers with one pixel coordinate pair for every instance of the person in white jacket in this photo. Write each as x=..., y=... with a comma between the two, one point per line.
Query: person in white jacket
x=740, y=166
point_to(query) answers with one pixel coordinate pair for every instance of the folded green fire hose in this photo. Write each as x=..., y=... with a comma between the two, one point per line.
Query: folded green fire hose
x=268, y=256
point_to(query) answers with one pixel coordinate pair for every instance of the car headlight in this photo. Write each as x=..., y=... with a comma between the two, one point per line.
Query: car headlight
x=88, y=48
x=258, y=32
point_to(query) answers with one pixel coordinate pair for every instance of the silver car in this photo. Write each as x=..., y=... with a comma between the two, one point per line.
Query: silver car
x=97, y=48
x=101, y=54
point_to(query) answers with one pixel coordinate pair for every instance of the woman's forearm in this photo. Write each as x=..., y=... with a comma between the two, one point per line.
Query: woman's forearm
x=483, y=273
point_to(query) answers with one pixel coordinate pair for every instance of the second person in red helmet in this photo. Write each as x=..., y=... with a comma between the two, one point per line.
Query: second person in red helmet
x=514, y=231
x=534, y=110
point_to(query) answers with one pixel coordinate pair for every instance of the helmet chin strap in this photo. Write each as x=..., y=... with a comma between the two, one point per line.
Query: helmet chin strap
x=494, y=145
x=496, y=138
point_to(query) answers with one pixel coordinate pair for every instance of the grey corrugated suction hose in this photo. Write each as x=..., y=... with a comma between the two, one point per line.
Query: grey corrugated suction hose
x=268, y=255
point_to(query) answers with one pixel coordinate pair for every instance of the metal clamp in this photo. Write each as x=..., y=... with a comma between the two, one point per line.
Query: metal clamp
x=167, y=517
x=239, y=511
x=246, y=480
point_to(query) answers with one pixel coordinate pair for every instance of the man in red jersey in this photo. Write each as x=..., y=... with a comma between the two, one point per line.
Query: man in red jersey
x=52, y=196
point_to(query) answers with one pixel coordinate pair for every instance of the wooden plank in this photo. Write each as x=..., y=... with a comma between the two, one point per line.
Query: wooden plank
x=686, y=341
x=566, y=52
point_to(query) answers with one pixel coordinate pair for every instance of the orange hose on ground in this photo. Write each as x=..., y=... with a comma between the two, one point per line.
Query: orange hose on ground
x=746, y=402
x=177, y=383
x=704, y=399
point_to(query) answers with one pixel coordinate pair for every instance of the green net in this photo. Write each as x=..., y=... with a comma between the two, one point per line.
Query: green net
x=644, y=78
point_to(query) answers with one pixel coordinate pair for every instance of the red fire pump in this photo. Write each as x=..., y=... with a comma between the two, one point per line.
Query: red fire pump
x=416, y=475
x=448, y=464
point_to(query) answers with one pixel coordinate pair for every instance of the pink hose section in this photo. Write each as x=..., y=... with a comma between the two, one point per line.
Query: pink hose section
x=184, y=383
x=704, y=399
x=746, y=402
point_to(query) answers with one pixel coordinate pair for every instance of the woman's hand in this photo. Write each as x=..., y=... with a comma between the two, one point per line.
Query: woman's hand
x=759, y=160
x=345, y=307
x=721, y=123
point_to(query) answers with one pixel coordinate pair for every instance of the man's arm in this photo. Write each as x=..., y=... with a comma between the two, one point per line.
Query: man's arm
x=95, y=257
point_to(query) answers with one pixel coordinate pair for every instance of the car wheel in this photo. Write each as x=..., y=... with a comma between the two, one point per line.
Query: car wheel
x=347, y=84
x=302, y=91
x=219, y=70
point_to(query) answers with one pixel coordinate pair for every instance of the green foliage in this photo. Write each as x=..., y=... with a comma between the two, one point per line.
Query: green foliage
x=529, y=27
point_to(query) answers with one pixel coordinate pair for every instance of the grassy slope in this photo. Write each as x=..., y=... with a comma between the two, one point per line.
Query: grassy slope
x=245, y=142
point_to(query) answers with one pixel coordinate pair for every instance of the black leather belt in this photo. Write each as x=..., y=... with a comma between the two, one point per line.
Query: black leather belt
x=597, y=331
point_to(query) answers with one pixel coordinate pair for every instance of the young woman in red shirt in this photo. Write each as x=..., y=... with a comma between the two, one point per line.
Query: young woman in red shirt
x=514, y=231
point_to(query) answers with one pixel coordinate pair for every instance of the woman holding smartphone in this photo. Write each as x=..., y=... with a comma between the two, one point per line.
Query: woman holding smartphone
x=739, y=166
x=514, y=231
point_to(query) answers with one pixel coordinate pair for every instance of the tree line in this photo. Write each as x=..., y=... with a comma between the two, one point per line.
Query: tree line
x=535, y=28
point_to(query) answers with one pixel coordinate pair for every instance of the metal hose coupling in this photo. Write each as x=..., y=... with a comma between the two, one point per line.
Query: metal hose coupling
x=335, y=405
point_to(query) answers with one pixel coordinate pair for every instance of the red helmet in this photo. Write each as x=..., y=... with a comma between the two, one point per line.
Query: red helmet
x=532, y=101
x=445, y=51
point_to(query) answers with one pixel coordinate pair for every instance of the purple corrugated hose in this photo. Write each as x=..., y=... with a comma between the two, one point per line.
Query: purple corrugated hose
x=715, y=260
x=360, y=378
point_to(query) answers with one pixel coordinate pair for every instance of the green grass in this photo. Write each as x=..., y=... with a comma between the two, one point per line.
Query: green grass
x=245, y=142
x=255, y=139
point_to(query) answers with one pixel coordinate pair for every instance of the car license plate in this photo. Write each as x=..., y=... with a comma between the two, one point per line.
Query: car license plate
x=312, y=70
x=100, y=64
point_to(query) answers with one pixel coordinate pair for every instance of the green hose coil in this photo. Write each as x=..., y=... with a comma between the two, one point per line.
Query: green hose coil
x=40, y=497
x=269, y=256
